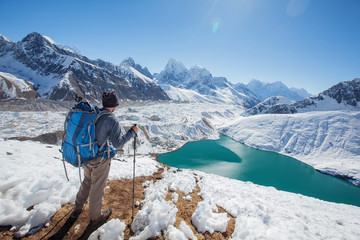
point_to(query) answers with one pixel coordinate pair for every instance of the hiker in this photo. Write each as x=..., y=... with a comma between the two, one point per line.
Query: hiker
x=97, y=170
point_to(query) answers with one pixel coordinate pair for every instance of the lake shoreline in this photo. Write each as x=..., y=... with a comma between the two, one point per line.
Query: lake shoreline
x=235, y=160
x=346, y=178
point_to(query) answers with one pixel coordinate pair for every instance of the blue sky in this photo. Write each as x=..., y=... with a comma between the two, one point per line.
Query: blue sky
x=311, y=44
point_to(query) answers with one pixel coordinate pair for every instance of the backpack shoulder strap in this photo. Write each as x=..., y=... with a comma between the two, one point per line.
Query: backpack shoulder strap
x=103, y=113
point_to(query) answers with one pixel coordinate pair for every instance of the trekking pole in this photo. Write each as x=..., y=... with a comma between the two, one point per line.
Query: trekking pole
x=133, y=193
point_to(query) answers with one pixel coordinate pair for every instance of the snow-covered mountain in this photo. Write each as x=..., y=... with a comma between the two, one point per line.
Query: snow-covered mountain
x=272, y=105
x=266, y=90
x=177, y=79
x=174, y=74
x=129, y=62
x=60, y=73
x=342, y=96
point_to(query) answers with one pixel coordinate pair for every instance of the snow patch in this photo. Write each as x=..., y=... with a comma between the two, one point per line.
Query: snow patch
x=112, y=230
x=153, y=218
x=205, y=220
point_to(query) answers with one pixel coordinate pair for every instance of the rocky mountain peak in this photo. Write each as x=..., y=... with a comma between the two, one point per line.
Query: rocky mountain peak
x=346, y=92
x=129, y=62
x=35, y=40
x=200, y=80
x=198, y=73
x=175, y=67
x=39, y=54
x=5, y=43
x=175, y=74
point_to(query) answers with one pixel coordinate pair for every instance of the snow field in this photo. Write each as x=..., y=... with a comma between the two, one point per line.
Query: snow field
x=167, y=127
x=33, y=186
x=30, y=124
x=163, y=127
x=260, y=212
x=266, y=213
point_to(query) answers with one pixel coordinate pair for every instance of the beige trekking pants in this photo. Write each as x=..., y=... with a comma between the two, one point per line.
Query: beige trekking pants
x=92, y=187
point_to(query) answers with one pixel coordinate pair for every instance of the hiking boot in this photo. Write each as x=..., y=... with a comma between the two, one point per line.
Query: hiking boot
x=75, y=213
x=103, y=218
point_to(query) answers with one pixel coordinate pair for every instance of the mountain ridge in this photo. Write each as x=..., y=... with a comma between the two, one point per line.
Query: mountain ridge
x=265, y=90
x=59, y=74
x=198, y=79
x=342, y=96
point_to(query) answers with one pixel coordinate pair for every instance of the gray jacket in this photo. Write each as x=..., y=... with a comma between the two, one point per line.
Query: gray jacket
x=107, y=126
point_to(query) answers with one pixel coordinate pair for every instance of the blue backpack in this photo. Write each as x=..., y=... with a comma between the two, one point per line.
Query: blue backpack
x=79, y=145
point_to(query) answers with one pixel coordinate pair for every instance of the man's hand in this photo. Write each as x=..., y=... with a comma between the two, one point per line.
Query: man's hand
x=135, y=129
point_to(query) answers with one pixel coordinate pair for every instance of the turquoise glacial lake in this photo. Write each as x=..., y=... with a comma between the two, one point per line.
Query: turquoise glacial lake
x=229, y=158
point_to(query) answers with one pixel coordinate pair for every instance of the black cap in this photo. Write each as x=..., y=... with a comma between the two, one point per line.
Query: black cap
x=110, y=99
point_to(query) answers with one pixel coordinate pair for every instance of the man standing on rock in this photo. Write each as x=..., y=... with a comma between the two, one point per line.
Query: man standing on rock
x=97, y=170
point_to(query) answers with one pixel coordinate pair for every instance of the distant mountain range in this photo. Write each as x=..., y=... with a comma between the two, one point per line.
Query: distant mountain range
x=266, y=90
x=198, y=84
x=59, y=73
x=37, y=67
x=342, y=96
x=183, y=84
